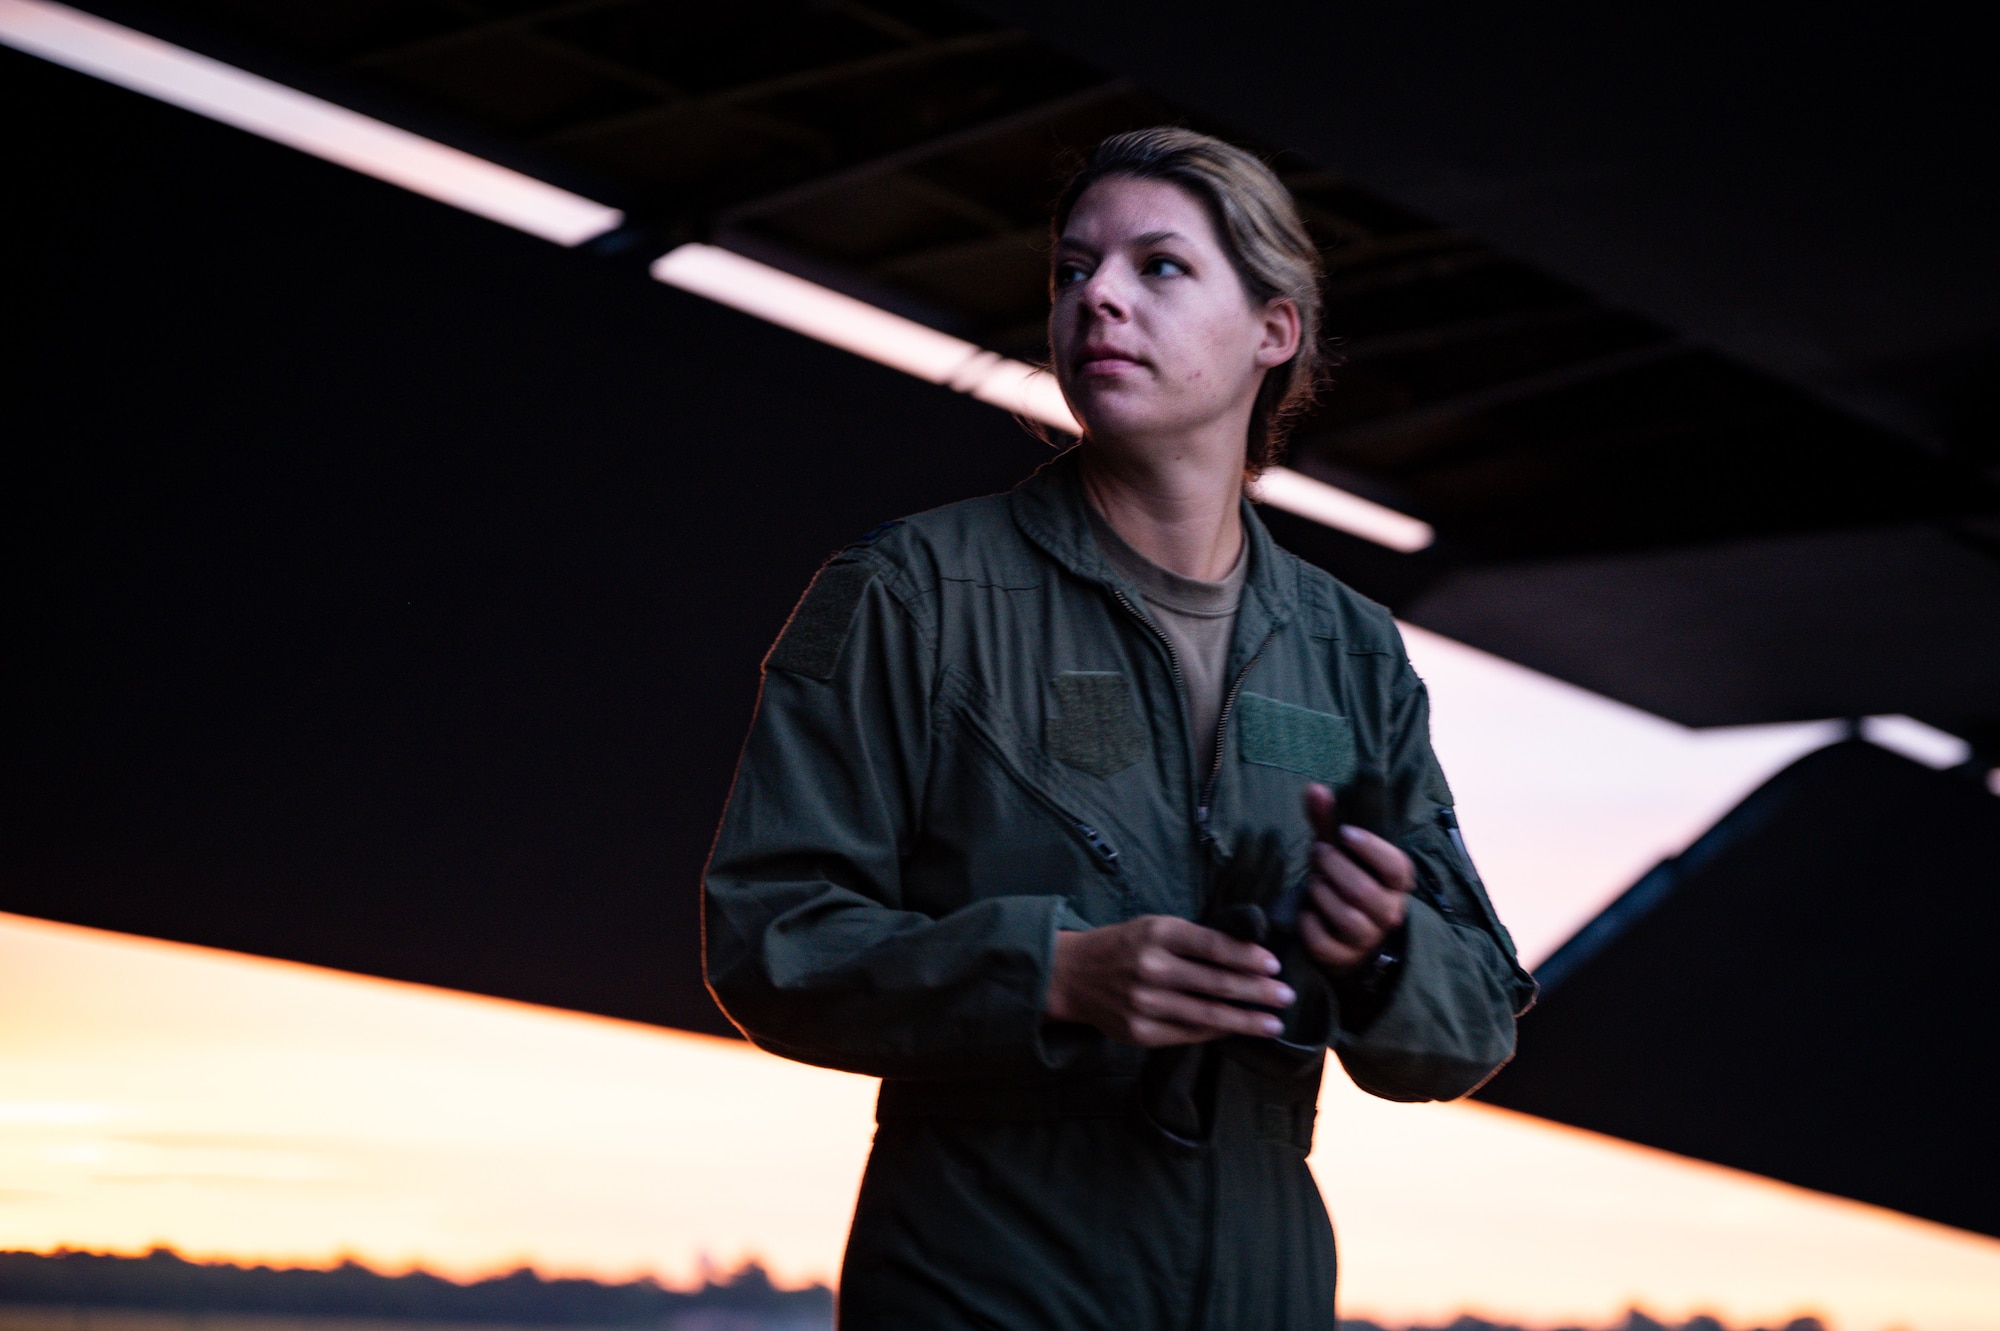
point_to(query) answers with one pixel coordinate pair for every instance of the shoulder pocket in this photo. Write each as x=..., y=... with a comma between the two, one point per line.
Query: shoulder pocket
x=1281, y=734
x=811, y=642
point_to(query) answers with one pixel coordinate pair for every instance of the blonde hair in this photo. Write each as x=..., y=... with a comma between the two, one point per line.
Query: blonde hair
x=1259, y=227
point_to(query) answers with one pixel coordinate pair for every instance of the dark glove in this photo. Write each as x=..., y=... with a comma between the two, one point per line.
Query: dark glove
x=1256, y=899
x=1252, y=897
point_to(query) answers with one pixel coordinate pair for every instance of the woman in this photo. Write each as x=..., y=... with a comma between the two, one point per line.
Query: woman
x=1011, y=754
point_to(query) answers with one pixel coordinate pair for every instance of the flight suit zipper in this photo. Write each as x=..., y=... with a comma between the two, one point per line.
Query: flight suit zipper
x=1173, y=657
x=1205, y=1269
x=1103, y=853
x=1207, y=803
x=1205, y=799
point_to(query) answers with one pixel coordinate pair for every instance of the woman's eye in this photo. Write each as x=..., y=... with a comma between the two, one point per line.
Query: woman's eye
x=1161, y=266
x=1069, y=274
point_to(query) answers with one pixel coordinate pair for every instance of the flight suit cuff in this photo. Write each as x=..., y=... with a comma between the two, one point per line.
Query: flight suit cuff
x=1440, y=1033
x=1062, y=1044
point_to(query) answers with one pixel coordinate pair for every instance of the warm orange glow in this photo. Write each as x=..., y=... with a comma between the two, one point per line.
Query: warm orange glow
x=242, y=1108
x=1445, y=1208
x=232, y=1106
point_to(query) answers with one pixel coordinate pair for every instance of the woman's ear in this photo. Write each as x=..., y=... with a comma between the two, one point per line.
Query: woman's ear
x=1281, y=333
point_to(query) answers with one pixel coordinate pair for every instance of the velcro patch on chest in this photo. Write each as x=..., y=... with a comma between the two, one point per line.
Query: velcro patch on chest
x=1093, y=726
x=818, y=628
x=1281, y=734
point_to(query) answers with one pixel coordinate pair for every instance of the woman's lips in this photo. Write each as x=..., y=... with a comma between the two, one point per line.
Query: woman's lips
x=1108, y=363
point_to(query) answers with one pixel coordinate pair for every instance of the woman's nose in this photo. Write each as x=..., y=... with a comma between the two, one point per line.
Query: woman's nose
x=1102, y=295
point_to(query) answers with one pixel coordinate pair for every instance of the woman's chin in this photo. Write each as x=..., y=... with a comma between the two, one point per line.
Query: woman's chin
x=1121, y=415
x=1129, y=427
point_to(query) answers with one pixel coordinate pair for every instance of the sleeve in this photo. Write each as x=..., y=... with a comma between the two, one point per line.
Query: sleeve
x=807, y=943
x=1447, y=1022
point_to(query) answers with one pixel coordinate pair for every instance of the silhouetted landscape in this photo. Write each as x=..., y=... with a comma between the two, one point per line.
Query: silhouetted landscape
x=163, y=1282
x=1635, y=1320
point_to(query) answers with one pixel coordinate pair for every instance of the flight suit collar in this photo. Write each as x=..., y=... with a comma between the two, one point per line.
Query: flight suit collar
x=1050, y=509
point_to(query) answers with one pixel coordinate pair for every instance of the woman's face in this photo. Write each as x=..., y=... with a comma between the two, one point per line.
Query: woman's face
x=1153, y=334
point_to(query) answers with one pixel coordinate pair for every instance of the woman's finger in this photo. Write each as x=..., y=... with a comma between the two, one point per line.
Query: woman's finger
x=1187, y=939
x=1343, y=919
x=1383, y=904
x=1327, y=950
x=1387, y=863
x=1320, y=809
x=1194, y=977
x=1217, y=1018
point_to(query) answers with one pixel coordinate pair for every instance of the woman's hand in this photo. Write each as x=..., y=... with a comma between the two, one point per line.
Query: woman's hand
x=1359, y=893
x=1162, y=980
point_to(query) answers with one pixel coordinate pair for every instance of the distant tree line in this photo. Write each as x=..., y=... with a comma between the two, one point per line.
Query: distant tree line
x=164, y=1280
x=1634, y=1321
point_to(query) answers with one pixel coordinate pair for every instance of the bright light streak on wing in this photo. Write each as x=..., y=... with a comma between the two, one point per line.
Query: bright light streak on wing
x=1916, y=741
x=827, y=316
x=284, y=115
x=779, y=297
x=904, y=344
x=1281, y=487
x=1026, y=391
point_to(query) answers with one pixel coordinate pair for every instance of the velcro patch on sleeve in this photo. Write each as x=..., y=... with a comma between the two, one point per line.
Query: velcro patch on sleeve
x=1093, y=726
x=1281, y=734
x=818, y=628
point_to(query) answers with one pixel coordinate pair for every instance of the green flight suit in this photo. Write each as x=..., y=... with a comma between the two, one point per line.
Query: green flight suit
x=969, y=737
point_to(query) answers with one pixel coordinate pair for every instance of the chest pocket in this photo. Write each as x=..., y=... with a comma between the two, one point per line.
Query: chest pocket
x=1093, y=726
x=1319, y=745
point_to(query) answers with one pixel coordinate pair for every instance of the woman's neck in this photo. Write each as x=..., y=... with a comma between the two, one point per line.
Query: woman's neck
x=1183, y=512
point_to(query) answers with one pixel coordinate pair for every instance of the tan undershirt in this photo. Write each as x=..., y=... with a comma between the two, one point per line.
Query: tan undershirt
x=1197, y=617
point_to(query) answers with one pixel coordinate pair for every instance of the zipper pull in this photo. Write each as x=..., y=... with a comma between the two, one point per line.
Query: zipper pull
x=1201, y=826
x=1449, y=821
x=1105, y=850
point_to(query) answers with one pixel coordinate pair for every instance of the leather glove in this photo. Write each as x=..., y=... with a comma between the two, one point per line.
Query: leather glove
x=1252, y=897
